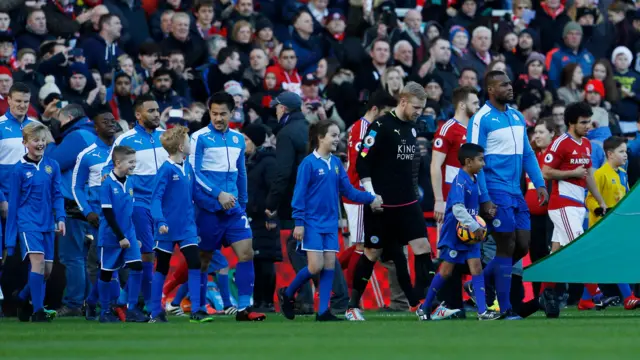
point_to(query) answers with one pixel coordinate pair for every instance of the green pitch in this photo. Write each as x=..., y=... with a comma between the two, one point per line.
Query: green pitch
x=611, y=334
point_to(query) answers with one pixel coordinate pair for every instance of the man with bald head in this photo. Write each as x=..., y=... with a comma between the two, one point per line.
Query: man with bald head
x=413, y=34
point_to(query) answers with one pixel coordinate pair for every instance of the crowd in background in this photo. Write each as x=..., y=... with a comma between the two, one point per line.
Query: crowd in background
x=102, y=54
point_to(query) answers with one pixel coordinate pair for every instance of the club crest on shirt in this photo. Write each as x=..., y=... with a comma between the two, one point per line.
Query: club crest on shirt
x=369, y=141
x=453, y=254
x=337, y=171
x=438, y=143
x=548, y=158
x=131, y=192
x=48, y=169
x=374, y=239
x=235, y=139
x=497, y=223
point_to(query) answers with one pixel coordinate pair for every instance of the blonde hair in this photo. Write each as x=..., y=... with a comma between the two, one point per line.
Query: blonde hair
x=413, y=89
x=32, y=130
x=385, y=77
x=239, y=25
x=173, y=138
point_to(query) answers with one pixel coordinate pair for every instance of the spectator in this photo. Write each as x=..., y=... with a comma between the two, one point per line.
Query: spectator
x=286, y=73
x=443, y=67
x=92, y=27
x=79, y=86
x=254, y=74
x=122, y=101
x=550, y=20
x=506, y=44
x=530, y=105
x=308, y=48
x=6, y=81
x=135, y=28
x=468, y=77
x=7, y=50
x=270, y=90
x=534, y=78
x=433, y=85
x=335, y=38
x=126, y=65
x=64, y=19
x=214, y=45
x=261, y=166
x=5, y=22
x=392, y=81
x=319, y=12
x=368, y=77
x=594, y=95
x=466, y=17
x=26, y=74
x=227, y=68
x=203, y=10
x=193, y=47
x=479, y=56
x=241, y=36
x=570, y=52
x=316, y=108
x=603, y=71
x=265, y=39
x=527, y=41
x=234, y=89
x=47, y=90
x=403, y=57
x=629, y=83
x=243, y=10
x=35, y=32
x=77, y=133
x=413, y=34
x=102, y=51
x=571, y=85
x=432, y=31
x=163, y=93
x=162, y=30
x=557, y=114
x=148, y=57
x=617, y=31
x=459, y=39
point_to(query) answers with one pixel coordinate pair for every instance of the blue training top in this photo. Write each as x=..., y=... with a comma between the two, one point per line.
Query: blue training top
x=87, y=177
x=11, y=148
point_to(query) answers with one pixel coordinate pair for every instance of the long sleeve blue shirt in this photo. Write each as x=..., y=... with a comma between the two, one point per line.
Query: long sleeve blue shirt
x=218, y=161
x=35, y=198
x=316, y=195
x=11, y=148
x=150, y=155
x=87, y=177
x=172, y=202
x=507, y=152
x=119, y=197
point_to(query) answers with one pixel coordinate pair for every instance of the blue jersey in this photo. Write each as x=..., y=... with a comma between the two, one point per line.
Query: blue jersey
x=76, y=136
x=465, y=191
x=35, y=198
x=316, y=195
x=507, y=151
x=150, y=155
x=87, y=177
x=11, y=148
x=172, y=202
x=217, y=159
x=119, y=197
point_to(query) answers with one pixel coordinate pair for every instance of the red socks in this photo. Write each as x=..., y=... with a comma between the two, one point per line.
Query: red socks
x=179, y=277
x=345, y=257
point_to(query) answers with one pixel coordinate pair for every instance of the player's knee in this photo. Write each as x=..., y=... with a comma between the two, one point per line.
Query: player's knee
x=147, y=257
x=315, y=268
x=191, y=255
x=446, y=269
x=135, y=266
x=162, y=265
x=420, y=246
x=246, y=254
x=106, y=275
x=372, y=254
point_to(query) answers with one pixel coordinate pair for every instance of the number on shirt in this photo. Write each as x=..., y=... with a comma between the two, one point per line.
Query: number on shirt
x=246, y=222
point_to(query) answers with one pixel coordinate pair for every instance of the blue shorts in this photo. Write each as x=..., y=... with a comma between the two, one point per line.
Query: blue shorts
x=114, y=258
x=459, y=256
x=222, y=228
x=35, y=242
x=143, y=223
x=167, y=246
x=315, y=241
x=218, y=262
x=512, y=213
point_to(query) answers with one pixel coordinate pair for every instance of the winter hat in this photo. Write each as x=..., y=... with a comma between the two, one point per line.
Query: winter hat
x=584, y=11
x=233, y=88
x=571, y=26
x=256, y=132
x=534, y=35
x=534, y=56
x=78, y=68
x=335, y=15
x=456, y=29
x=433, y=79
x=529, y=100
x=263, y=23
x=5, y=71
x=595, y=86
x=48, y=88
x=621, y=50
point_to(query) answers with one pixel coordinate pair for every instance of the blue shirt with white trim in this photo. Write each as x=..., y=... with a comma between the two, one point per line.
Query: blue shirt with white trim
x=507, y=152
x=11, y=147
x=87, y=177
x=119, y=197
x=172, y=202
x=218, y=161
x=464, y=190
x=150, y=155
x=35, y=198
x=316, y=195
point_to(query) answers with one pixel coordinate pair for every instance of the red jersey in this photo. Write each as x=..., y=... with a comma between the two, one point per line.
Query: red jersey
x=565, y=154
x=356, y=133
x=531, y=196
x=447, y=140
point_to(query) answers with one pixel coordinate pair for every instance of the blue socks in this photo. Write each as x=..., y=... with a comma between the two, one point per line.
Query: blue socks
x=147, y=279
x=105, y=294
x=156, y=293
x=193, y=287
x=244, y=281
x=37, y=296
x=326, y=284
x=436, y=284
x=586, y=295
x=25, y=293
x=625, y=290
x=92, y=299
x=133, y=288
x=114, y=290
x=204, y=279
x=223, y=286
x=504, y=267
x=478, y=289
x=302, y=277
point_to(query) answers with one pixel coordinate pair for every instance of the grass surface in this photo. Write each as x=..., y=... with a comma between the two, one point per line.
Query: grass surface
x=610, y=334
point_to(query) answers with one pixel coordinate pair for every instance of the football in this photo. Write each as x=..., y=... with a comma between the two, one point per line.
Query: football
x=469, y=237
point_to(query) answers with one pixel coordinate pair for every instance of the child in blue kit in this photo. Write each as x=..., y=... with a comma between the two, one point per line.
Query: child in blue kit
x=320, y=182
x=117, y=241
x=462, y=206
x=35, y=186
x=173, y=215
